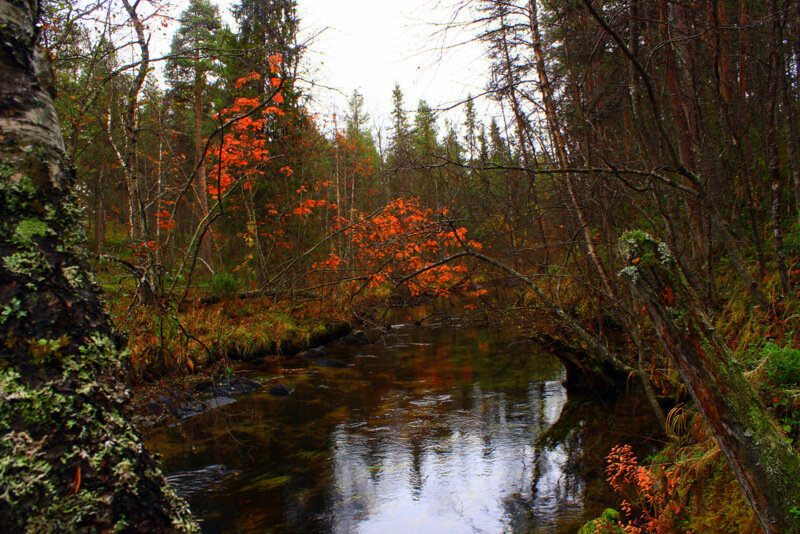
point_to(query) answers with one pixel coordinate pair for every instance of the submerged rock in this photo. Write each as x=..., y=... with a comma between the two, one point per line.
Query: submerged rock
x=316, y=352
x=203, y=396
x=335, y=364
x=357, y=337
x=280, y=390
x=217, y=402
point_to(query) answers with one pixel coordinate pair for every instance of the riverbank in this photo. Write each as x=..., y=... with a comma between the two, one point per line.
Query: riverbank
x=201, y=338
x=688, y=485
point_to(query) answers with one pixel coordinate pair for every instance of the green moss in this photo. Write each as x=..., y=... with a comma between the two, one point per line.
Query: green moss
x=607, y=523
x=28, y=230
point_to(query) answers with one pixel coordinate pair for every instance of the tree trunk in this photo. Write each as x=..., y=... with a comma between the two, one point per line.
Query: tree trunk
x=776, y=181
x=766, y=465
x=561, y=151
x=70, y=461
x=202, y=184
x=100, y=218
x=525, y=146
x=130, y=159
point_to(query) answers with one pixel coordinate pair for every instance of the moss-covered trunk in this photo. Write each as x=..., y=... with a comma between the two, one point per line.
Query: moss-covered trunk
x=767, y=467
x=69, y=459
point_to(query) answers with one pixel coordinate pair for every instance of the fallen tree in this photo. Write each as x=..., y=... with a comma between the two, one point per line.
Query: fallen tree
x=765, y=464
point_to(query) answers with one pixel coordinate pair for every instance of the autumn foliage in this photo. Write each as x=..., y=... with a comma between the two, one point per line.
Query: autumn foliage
x=401, y=240
x=243, y=151
x=650, y=492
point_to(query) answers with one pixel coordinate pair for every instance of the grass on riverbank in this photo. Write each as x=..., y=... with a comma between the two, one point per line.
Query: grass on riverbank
x=191, y=339
x=164, y=339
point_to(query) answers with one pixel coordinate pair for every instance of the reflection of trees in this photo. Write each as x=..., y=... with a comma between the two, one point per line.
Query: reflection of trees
x=413, y=433
x=558, y=490
x=457, y=468
x=415, y=476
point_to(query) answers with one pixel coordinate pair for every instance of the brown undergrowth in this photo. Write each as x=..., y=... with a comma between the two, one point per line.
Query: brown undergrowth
x=197, y=337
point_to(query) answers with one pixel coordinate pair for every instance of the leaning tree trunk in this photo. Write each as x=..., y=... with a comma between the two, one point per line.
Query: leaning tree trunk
x=767, y=467
x=70, y=461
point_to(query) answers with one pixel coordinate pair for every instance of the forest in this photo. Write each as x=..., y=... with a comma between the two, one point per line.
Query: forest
x=182, y=229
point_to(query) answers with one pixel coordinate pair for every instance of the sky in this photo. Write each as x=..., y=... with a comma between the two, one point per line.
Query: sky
x=369, y=45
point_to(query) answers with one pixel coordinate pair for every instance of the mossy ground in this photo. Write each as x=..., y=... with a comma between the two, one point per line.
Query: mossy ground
x=198, y=336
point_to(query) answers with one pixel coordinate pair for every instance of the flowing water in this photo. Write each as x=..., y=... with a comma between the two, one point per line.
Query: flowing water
x=431, y=430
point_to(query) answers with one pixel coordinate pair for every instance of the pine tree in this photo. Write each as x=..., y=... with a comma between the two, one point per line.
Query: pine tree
x=266, y=28
x=471, y=126
x=425, y=132
x=194, y=50
x=358, y=120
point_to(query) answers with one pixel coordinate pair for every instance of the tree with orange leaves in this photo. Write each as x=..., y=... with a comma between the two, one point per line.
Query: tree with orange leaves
x=404, y=242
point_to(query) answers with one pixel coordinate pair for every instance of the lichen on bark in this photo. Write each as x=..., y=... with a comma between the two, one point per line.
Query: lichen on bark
x=70, y=460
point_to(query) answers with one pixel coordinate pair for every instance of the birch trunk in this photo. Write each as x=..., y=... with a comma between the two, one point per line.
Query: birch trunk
x=70, y=460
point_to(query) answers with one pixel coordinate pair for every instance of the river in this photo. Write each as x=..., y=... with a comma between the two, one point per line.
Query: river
x=431, y=430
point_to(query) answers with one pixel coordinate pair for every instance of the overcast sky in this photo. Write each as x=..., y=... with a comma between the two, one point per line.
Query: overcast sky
x=369, y=45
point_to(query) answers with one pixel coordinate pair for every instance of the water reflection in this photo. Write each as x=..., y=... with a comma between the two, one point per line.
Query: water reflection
x=437, y=434
x=427, y=466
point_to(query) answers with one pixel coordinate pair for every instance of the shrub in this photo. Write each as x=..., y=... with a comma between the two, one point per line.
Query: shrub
x=607, y=523
x=223, y=285
x=782, y=366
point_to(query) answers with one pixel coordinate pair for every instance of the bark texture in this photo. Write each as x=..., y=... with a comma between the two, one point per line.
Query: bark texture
x=70, y=461
x=766, y=465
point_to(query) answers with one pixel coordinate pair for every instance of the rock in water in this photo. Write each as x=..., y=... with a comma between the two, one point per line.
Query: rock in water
x=336, y=364
x=316, y=352
x=280, y=390
x=217, y=402
x=357, y=337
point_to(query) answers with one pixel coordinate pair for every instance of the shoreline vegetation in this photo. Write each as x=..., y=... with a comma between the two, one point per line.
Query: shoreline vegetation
x=638, y=203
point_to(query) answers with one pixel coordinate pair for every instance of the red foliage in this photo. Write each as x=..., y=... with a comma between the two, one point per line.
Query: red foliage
x=652, y=508
x=403, y=239
x=164, y=220
x=243, y=151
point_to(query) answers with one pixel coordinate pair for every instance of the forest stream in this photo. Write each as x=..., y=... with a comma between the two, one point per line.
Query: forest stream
x=436, y=429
